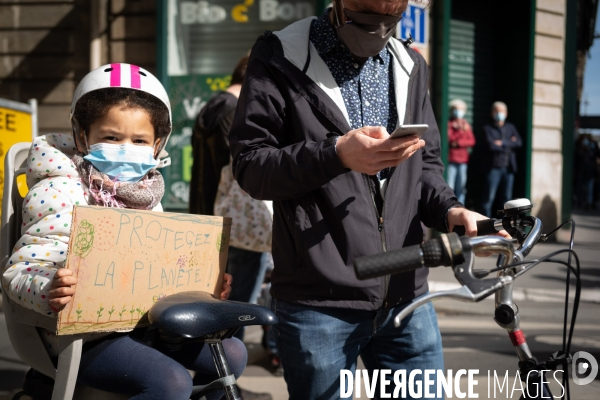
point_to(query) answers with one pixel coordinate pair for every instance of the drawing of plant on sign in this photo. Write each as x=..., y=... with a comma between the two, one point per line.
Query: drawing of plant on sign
x=84, y=239
x=130, y=259
x=121, y=313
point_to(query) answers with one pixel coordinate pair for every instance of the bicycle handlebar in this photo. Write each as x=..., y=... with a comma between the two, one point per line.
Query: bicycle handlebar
x=457, y=252
x=446, y=250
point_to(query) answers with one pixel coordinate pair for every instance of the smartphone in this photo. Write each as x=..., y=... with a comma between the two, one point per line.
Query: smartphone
x=408, y=130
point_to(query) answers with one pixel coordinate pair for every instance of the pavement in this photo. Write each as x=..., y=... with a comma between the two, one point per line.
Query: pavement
x=471, y=339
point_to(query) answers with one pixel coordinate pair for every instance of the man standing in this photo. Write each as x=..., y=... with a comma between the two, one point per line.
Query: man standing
x=311, y=133
x=501, y=139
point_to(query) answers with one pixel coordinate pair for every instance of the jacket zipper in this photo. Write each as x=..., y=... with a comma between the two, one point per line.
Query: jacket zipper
x=381, y=236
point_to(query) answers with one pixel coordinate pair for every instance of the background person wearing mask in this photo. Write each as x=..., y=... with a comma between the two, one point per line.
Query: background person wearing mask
x=501, y=139
x=460, y=139
x=311, y=133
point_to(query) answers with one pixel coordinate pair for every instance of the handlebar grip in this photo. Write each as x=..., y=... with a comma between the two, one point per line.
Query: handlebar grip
x=387, y=263
x=484, y=227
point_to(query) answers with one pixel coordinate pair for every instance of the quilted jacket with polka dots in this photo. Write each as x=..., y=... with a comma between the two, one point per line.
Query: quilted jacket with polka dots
x=55, y=187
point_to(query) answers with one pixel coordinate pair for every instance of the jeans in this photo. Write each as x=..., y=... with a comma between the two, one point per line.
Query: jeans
x=248, y=269
x=315, y=343
x=457, y=179
x=585, y=192
x=497, y=178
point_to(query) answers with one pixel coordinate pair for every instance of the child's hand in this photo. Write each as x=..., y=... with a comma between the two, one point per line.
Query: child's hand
x=227, y=279
x=62, y=290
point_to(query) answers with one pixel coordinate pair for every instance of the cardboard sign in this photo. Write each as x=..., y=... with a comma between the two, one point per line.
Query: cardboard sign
x=127, y=260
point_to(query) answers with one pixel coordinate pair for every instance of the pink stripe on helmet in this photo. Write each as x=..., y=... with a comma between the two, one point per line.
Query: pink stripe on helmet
x=115, y=75
x=135, y=77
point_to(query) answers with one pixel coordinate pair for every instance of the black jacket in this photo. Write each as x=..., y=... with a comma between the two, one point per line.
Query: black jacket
x=324, y=214
x=211, y=151
x=502, y=156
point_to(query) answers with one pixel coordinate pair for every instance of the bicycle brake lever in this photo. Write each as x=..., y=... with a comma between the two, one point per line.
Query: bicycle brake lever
x=473, y=289
x=463, y=293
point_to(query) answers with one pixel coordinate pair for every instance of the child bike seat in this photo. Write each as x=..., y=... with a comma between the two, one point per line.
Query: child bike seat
x=199, y=314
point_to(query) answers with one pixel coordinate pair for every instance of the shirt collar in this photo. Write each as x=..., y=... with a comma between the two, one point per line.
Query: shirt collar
x=322, y=34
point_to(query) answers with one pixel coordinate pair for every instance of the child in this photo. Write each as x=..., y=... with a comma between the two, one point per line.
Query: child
x=121, y=121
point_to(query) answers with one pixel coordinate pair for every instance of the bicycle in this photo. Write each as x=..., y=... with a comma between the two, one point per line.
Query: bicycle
x=457, y=252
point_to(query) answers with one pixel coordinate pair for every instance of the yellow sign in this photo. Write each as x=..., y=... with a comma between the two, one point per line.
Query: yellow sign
x=15, y=126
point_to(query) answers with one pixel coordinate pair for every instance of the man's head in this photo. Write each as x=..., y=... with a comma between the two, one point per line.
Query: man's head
x=382, y=7
x=365, y=26
x=499, y=111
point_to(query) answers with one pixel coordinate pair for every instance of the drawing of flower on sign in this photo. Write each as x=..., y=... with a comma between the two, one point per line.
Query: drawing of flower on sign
x=84, y=239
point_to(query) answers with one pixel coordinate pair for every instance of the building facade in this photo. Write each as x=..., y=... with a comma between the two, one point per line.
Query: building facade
x=521, y=52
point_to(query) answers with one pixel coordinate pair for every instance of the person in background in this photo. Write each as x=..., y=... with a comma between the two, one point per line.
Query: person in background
x=501, y=139
x=211, y=153
x=586, y=170
x=460, y=139
x=210, y=144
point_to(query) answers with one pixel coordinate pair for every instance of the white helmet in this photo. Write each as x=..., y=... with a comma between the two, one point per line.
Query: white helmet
x=121, y=75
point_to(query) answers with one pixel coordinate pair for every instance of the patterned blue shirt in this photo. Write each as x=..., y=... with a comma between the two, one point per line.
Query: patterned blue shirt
x=367, y=90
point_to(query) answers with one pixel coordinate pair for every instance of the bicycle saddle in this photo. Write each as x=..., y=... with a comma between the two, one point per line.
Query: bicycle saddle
x=199, y=314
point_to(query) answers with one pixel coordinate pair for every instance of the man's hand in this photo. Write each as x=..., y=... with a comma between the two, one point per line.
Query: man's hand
x=468, y=219
x=368, y=149
x=61, y=289
x=498, y=143
x=227, y=280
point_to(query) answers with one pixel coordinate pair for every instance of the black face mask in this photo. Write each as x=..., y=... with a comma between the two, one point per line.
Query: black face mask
x=366, y=34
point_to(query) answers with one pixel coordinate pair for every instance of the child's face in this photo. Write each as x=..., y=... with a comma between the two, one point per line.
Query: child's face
x=123, y=126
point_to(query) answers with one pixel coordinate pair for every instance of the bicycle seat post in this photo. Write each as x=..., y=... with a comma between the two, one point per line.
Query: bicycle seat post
x=216, y=348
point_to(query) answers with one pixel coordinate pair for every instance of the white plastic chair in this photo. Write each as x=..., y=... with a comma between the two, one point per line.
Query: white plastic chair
x=23, y=323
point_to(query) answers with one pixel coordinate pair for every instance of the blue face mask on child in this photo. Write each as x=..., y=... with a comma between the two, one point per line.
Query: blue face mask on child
x=123, y=162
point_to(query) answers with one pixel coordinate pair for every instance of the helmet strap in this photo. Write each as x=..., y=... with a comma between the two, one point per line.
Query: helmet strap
x=87, y=147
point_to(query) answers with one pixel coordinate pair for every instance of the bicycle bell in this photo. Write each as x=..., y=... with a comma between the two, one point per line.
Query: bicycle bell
x=516, y=207
x=514, y=217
